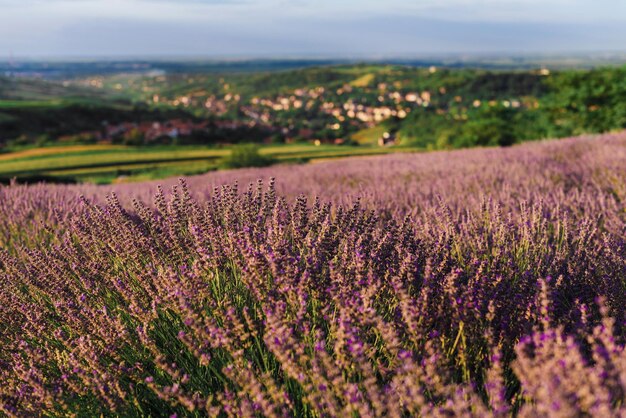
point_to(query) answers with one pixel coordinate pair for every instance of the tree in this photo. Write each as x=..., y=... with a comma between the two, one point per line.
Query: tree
x=484, y=132
x=133, y=137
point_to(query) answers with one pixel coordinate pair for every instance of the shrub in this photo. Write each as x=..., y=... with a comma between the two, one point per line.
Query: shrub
x=246, y=155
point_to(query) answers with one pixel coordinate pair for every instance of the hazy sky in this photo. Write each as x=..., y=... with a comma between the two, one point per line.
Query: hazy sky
x=308, y=27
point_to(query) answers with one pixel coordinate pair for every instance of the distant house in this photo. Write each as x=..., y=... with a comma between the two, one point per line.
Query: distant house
x=152, y=131
x=173, y=133
x=387, y=139
x=305, y=133
x=411, y=97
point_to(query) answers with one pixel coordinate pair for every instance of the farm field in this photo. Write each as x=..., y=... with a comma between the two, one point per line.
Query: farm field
x=486, y=282
x=110, y=163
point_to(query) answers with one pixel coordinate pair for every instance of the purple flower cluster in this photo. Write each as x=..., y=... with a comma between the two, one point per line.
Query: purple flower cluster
x=473, y=283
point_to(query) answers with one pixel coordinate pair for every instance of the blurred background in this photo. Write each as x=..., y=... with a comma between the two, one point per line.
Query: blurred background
x=123, y=90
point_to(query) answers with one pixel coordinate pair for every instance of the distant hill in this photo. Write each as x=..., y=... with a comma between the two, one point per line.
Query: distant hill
x=32, y=89
x=429, y=107
x=66, y=69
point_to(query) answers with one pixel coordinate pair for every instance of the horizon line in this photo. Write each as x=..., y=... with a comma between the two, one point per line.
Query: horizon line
x=459, y=56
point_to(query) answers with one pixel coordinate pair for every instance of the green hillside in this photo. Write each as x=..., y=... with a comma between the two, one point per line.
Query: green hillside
x=427, y=108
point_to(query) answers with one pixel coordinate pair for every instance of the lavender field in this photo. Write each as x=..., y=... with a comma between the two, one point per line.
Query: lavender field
x=484, y=282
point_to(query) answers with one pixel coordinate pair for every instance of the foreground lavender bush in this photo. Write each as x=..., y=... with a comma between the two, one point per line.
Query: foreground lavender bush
x=246, y=304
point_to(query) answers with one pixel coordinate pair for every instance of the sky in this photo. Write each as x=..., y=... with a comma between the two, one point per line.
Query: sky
x=308, y=28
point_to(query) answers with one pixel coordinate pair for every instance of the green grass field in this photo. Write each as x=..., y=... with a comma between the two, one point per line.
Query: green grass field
x=369, y=135
x=114, y=163
x=363, y=81
x=15, y=104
